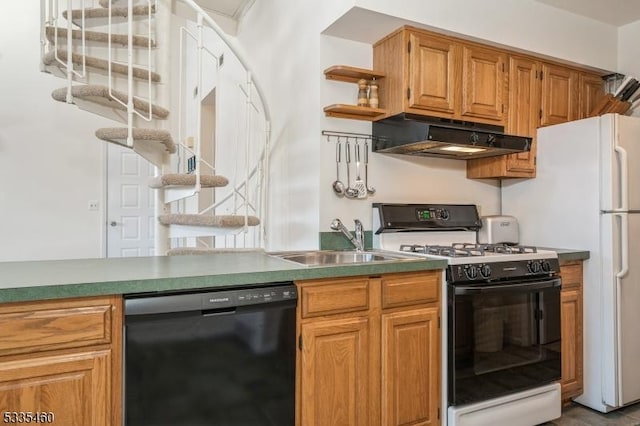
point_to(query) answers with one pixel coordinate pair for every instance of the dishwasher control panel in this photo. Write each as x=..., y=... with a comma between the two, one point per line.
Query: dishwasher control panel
x=210, y=300
x=252, y=296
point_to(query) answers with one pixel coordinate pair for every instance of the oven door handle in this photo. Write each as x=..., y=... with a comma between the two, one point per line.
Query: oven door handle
x=536, y=285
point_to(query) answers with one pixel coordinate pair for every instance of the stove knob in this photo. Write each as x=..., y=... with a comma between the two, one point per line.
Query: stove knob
x=546, y=266
x=485, y=271
x=471, y=272
x=444, y=214
x=534, y=267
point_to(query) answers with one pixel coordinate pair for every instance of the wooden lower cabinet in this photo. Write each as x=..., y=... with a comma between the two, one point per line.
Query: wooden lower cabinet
x=336, y=372
x=74, y=387
x=410, y=350
x=374, y=359
x=80, y=384
x=571, y=332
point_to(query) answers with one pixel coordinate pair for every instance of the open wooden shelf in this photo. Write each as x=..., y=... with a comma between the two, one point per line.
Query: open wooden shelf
x=351, y=74
x=354, y=112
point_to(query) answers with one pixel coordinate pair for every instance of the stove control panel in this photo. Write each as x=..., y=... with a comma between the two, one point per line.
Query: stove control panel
x=496, y=271
x=425, y=217
x=432, y=213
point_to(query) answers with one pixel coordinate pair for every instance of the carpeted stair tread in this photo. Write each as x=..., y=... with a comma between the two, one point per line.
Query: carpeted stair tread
x=118, y=135
x=206, y=181
x=102, y=12
x=101, y=95
x=221, y=221
x=101, y=64
x=186, y=251
x=105, y=3
x=99, y=37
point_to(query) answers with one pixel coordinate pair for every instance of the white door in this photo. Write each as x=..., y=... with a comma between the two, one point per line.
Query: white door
x=130, y=204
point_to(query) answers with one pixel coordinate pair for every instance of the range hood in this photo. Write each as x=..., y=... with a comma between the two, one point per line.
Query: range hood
x=413, y=134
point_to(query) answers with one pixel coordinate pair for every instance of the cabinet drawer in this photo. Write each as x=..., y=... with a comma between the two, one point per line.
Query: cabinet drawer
x=571, y=274
x=339, y=297
x=405, y=290
x=42, y=326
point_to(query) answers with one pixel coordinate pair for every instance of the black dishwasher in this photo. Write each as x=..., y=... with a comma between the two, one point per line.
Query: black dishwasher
x=211, y=358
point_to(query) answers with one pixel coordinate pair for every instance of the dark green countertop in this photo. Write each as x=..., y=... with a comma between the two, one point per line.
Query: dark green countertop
x=56, y=279
x=38, y=280
x=569, y=254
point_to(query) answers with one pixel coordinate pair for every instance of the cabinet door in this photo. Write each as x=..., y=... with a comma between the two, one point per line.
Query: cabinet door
x=571, y=319
x=432, y=73
x=74, y=387
x=335, y=372
x=410, y=368
x=524, y=108
x=559, y=94
x=483, y=83
x=591, y=91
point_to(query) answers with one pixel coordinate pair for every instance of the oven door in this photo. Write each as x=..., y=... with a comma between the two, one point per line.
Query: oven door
x=502, y=338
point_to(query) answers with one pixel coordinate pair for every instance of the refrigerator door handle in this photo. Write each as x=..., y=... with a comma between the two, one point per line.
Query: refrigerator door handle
x=624, y=245
x=624, y=178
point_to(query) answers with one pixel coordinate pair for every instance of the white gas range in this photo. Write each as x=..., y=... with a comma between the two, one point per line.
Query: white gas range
x=501, y=340
x=445, y=231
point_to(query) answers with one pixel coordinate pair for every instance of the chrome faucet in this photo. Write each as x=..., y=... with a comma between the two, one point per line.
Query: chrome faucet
x=357, y=240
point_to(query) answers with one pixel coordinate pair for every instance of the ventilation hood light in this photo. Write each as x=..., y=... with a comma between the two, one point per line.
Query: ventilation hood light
x=462, y=149
x=412, y=134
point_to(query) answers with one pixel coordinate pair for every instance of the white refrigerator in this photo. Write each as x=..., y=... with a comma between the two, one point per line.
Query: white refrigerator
x=587, y=196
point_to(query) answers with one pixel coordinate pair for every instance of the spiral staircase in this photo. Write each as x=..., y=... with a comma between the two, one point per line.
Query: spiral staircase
x=183, y=98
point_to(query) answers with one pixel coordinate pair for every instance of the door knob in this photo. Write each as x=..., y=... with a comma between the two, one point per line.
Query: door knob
x=113, y=223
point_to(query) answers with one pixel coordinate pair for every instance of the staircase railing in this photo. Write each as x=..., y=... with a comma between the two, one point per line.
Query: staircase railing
x=247, y=194
x=242, y=201
x=131, y=111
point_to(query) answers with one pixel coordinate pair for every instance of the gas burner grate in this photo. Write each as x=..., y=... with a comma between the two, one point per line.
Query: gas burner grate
x=467, y=249
x=499, y=248
x=450, y=251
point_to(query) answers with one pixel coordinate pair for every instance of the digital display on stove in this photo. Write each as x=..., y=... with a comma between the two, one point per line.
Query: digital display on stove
x=426, y=214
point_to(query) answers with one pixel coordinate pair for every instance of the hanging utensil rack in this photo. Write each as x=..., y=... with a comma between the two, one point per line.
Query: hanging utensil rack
x=357, y=138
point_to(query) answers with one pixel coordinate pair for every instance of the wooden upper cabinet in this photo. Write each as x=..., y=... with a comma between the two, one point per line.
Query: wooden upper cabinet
x=440, y=76
x=524, y=118
x=449, y=78
x=432, y=73
x=591, y=91
x=524, y=96
x=559, y=94
x=483, y=83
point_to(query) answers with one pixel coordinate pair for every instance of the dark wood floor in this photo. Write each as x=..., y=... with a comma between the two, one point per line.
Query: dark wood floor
x=578, y=415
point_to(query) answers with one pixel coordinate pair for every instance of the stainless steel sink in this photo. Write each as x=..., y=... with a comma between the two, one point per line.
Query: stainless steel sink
x=337, y=257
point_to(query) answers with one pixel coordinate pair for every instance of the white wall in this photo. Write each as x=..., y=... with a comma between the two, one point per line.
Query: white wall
x=282, y=39
x=51, y=164
x=524, y=24
x=289, y=55
x=629, y=54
